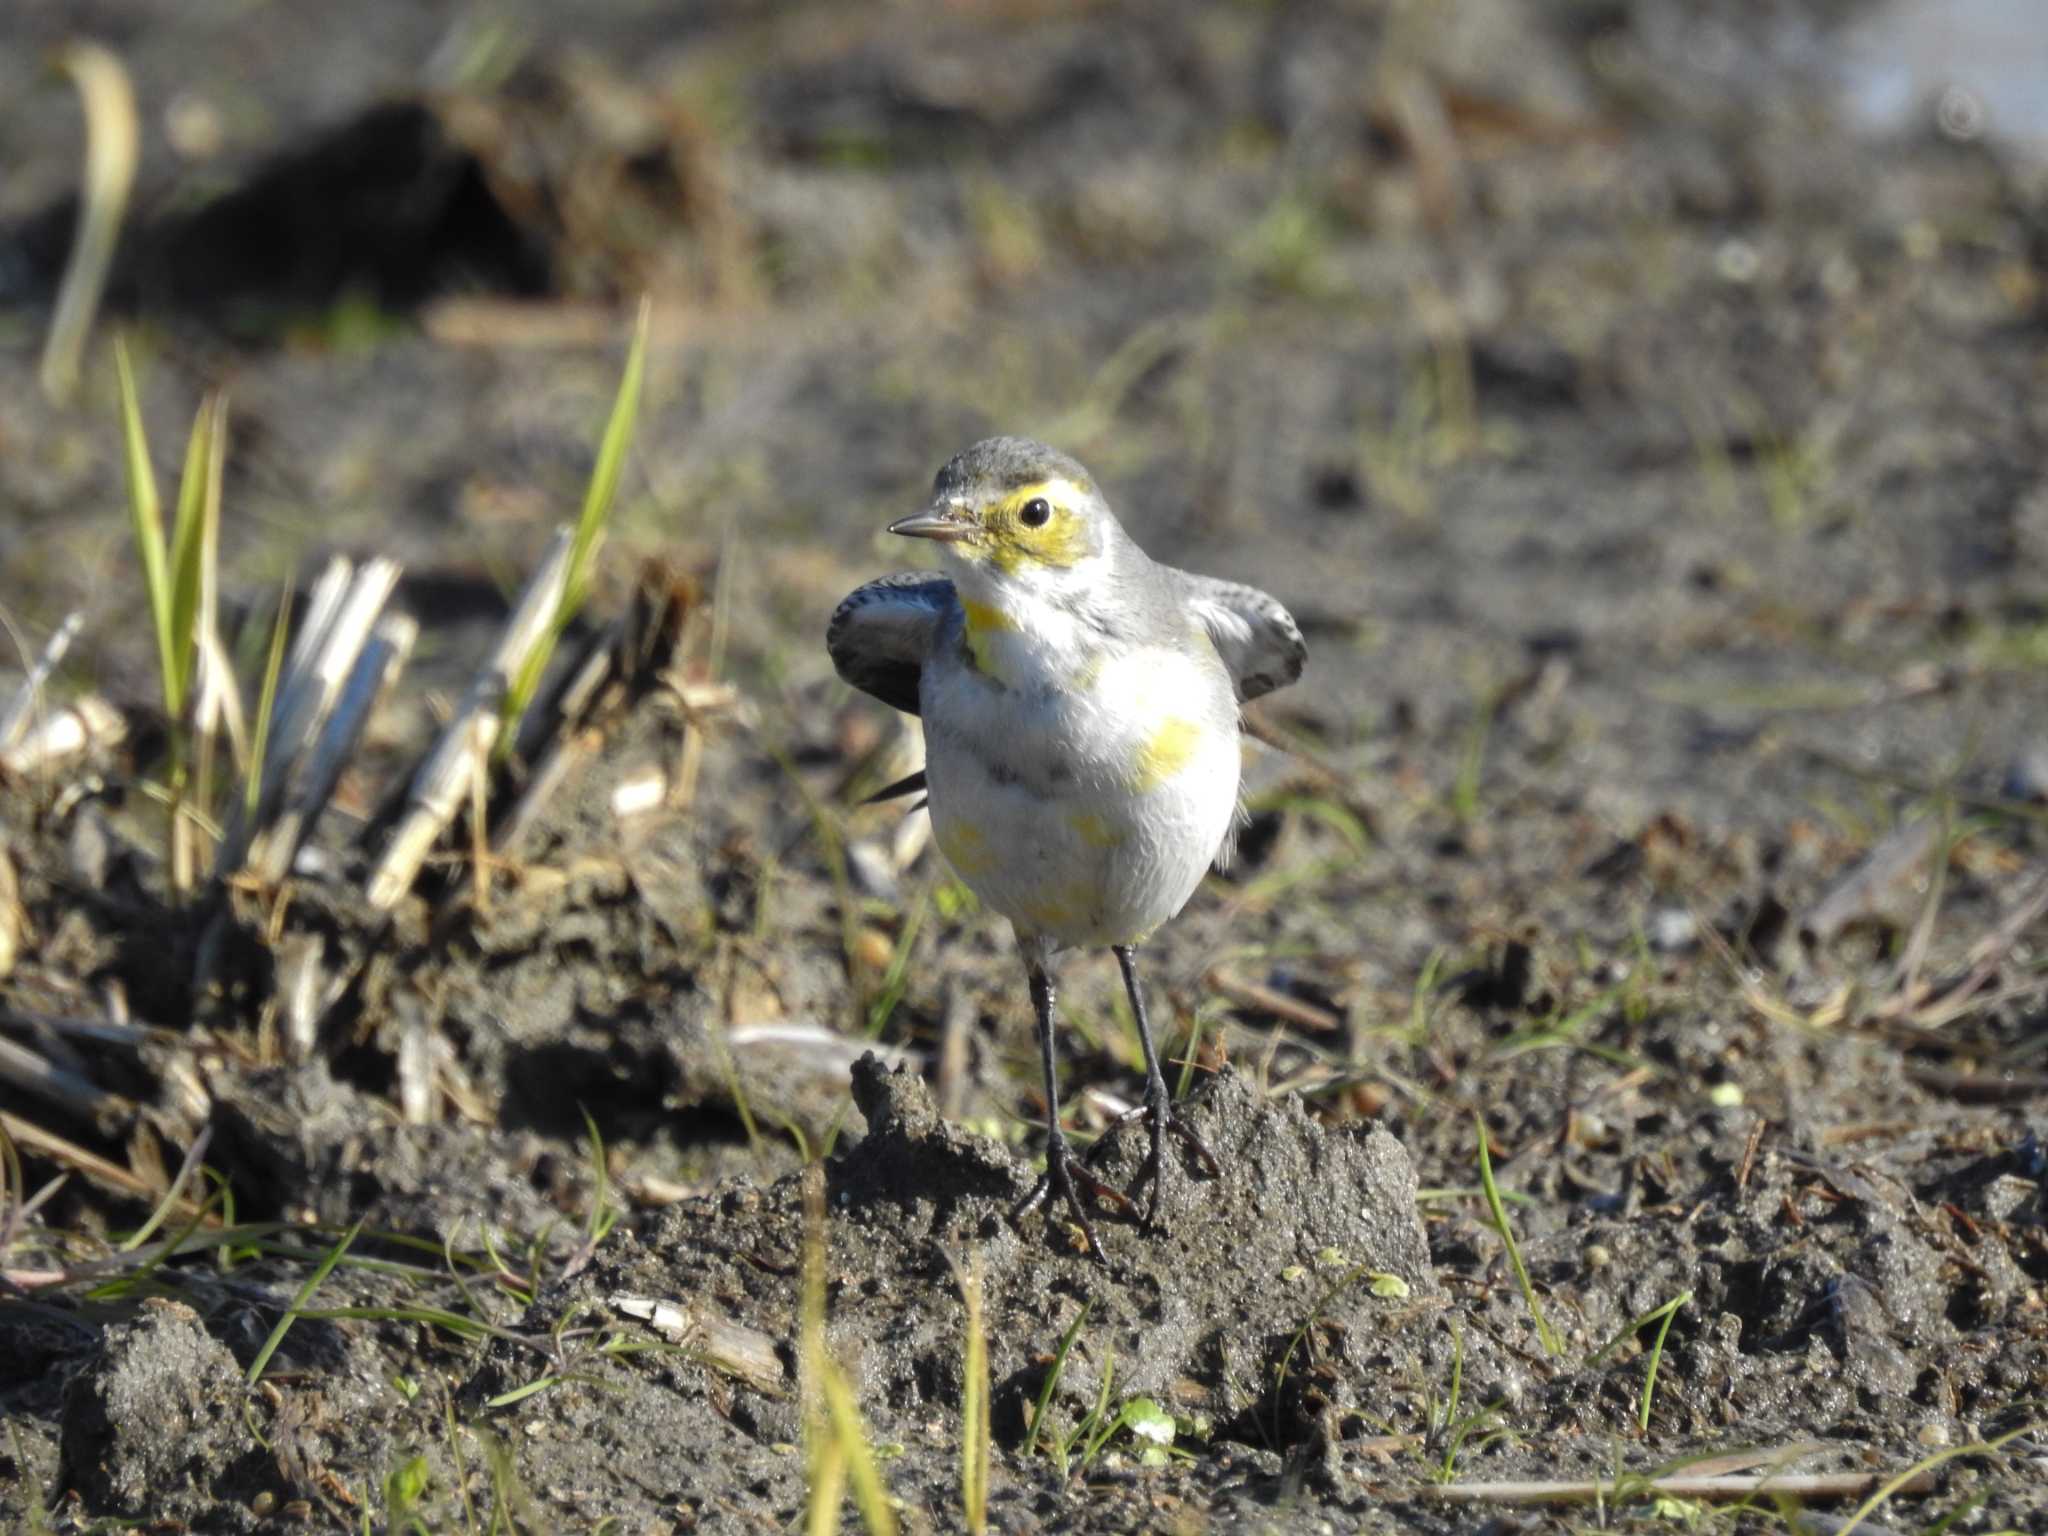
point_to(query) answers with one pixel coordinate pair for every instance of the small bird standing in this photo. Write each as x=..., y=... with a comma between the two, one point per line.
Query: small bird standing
x=1080, y=706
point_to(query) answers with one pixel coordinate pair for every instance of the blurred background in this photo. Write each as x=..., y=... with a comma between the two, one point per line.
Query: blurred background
x=1673, y=369
x=1642, y=404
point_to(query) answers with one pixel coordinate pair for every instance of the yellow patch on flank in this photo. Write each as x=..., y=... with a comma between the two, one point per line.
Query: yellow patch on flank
x=1165, y=752
x=1093, y=830
x=1048, y=914
x=1066, y=908
x=963, y=845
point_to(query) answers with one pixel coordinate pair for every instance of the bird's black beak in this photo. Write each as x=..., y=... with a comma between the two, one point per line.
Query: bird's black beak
x=945, y=521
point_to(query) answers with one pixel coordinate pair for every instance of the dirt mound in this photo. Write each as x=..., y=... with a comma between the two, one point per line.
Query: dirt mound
x=154, y=1427
x=1307, y=1231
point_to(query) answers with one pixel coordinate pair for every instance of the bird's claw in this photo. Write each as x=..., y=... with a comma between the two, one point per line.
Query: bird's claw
x=1063, y=1173
x=1161, y=1117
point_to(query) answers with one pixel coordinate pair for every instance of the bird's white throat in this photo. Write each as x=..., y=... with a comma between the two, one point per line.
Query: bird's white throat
x=1017, y=629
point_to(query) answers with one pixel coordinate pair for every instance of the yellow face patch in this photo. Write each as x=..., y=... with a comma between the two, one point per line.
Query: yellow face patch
x=1008, y=543
x=1165, y=752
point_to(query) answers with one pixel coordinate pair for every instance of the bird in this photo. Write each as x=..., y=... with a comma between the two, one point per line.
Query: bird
x=1081, y=711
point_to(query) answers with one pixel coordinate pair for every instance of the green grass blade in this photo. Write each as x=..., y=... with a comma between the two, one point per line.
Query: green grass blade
x=187, y=551
x=1090, y=1433
x=1670, y=1310
x=134, y=1281
x=1631, y=1328
x=186, y=1170
x=974, y=1425
x=1335, y=1289
x=590, y=526
x=896, y=979
x=430, y=1317
x=828, y=1488
x=520, y=1394
x=1552, y=1345
x=1870, y=1506
x=284, y=1323
x=611, y=462
x=603, y=1214
x=870, y=1497
x=1052, y=1378
x=147, y=515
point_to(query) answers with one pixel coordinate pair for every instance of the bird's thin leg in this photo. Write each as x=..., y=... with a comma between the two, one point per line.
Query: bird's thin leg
x=1158, y=1108
x=1063, y=1172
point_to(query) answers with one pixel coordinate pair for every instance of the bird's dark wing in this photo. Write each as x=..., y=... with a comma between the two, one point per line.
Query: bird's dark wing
x=880, y=636
x=909, y=784
x=1256, y=637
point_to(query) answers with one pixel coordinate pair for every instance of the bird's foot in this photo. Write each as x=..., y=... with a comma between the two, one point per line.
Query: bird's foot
x=1068, y=1178
x=1160, y=1117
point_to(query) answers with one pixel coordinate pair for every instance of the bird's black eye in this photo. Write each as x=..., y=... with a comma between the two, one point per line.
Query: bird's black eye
x=1036, y=514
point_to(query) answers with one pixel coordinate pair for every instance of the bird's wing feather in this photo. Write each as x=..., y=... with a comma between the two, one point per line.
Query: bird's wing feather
x=881, y=634
x=1257, y=638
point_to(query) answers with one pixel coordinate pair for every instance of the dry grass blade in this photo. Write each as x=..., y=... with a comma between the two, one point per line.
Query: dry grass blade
x=340, y=616
x=1268, y=1000
x=376, y=668
x=111, y=138
x=464, y=745
x=27, y=699
x=1907, y=982
x=28, y=1072
x=1868, y=885
x=745, y=1353
x=1931, y=1008
x=14, y=924
x=266, y=701
x=1811, y=1486
x=121, y=1033
x=32, y=1137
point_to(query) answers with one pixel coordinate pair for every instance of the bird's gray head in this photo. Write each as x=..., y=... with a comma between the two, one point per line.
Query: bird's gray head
x=1013, y=510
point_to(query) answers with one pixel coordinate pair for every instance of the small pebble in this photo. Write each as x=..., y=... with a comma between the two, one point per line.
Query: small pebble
x=1737, y=261
x=873, y=949
x=2026, y=777
x=1672, y=931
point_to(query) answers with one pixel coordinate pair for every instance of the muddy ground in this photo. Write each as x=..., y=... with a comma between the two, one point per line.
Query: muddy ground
x=1655, y=463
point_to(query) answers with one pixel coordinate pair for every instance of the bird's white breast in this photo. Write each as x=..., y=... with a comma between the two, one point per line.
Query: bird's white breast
x=1080, y=793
